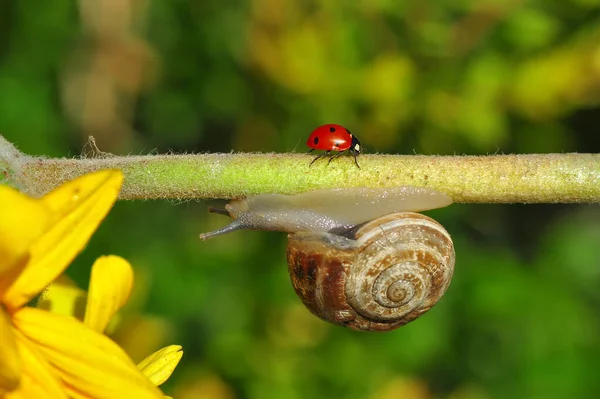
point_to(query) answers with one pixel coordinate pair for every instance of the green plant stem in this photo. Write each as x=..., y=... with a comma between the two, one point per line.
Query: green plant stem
x=530, y=178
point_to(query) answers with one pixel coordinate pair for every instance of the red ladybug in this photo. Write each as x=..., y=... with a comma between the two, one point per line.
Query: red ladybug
x=333, y=137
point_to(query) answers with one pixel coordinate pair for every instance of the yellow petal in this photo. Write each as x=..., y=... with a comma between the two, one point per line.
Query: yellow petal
x=89, y=363
x=81, y=204
x=159, y=366
x=110, y=287
x=39, y=379
x=64, y=297
x=10, y=361
x=22, y=220
x=67, y=197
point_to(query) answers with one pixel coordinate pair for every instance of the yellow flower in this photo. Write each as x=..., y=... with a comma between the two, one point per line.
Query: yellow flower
x=48, y=355
x=159, y=366
x=109, y=289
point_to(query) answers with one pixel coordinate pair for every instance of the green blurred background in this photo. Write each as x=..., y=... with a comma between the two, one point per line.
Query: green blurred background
x=521, y=318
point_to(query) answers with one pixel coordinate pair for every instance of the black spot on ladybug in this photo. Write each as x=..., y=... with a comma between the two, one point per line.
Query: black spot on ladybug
x=331, y=129
x=316, y=140
x=336, y=144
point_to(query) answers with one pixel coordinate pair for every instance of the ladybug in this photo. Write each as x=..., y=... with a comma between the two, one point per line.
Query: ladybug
x=333, y=137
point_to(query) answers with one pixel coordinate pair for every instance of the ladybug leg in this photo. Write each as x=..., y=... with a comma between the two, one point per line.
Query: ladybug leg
x=334, y=156
x=339, y=154
x=320, y=156
x=355, y=153
x=311, y=150
x=355, y=161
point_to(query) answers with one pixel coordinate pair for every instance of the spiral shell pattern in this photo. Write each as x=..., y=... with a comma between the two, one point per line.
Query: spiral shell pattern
x=390, y=272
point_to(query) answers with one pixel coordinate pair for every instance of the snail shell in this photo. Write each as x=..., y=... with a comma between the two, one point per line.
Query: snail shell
x=355, y=257
x=393, y=270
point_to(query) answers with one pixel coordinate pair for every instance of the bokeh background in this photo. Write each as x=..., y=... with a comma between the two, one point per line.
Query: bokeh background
x=522, y=316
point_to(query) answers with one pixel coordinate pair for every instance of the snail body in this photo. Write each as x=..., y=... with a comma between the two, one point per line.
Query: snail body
x=358, y=257
x=325, y=210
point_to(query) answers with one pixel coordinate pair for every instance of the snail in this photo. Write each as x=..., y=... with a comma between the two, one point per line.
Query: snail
x=357, y=257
